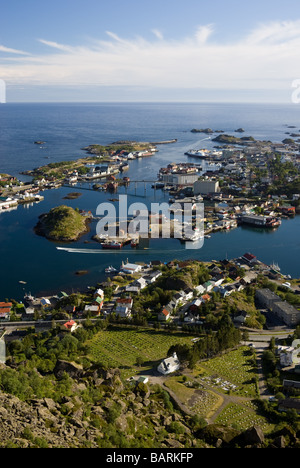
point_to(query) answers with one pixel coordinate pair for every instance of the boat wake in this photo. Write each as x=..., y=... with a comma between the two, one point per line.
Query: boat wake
x=105, y=252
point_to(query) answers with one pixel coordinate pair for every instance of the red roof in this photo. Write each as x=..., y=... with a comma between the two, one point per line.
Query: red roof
x=5, y=305
x=3, y=312
x=70, y=324
x=249, y=256
x=165, y=312
x=124, y=301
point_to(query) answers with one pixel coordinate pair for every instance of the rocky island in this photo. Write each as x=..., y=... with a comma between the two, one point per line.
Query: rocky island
x=62, y=224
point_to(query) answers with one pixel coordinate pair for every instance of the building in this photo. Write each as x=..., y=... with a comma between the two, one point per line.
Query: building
x=169, y=365
x=123, y=312
x=126, y=302
x=5, y=310
x=287, y=313
x=70, y=326
x=283, y=310
x=164, y=315
x=266, y=298
x=93, y=309
x=249, y=258
x=204, y=187
x=131, y=268
x=289, y=404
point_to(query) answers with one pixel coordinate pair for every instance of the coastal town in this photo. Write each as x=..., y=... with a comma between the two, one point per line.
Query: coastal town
x=202, y=310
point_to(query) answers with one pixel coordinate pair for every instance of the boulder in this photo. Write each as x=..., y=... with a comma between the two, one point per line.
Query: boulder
x=71, y=368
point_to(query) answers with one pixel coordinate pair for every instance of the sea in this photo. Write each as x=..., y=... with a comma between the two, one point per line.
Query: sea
x=33, y=264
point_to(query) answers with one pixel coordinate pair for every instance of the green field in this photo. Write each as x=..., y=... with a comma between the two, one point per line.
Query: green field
x=242, y=417
x=121, y=346
x=234, y=371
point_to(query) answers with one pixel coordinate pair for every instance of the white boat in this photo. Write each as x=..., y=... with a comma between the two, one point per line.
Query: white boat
x=201, y=153
x=110, y=269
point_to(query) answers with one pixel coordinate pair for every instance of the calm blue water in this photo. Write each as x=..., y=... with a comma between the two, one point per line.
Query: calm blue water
x=67, y=128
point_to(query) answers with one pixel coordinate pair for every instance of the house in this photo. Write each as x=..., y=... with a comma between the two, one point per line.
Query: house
x=164, y=315
x=136, y=286
x=93, y=309
x=205, y=298
x=188, y=294
x=99, y=293
x=200, y=290
x=123, y=312
x=195, y=305
x=98, y=301
x=169, y=365
x=178, y=299
x=5, y=310
x=286, y=355
x=70, y=326
x=126, y=302
x=249, y=258
x=208, y=286
x=45, y=303
x=153, y=276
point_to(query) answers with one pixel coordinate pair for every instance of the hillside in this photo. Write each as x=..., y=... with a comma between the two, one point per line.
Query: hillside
x=63, y=224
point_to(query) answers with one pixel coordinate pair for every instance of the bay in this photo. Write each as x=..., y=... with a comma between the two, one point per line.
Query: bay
x=66, y=129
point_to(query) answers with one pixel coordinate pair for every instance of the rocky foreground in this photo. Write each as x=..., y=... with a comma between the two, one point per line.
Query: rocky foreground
x=104, y=413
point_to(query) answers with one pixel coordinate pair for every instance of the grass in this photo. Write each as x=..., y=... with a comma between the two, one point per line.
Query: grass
x=201, y=402
x=121, y=346
x=233, y=372
x=242, y=417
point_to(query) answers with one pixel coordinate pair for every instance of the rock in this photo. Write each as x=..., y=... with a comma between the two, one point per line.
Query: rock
x=280, y=442
x=212, y=434
x=173, y=443
x=253, y=436
x=71, y=368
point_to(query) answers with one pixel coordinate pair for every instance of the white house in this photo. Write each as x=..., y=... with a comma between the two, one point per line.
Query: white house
x=286, y=355
x=99, y=293
x=169, y=365
x=131, y=268
x=123, y=312
x=45, y=302
x=200, y=290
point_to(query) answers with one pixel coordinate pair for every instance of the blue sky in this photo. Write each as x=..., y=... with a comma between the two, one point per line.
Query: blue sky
x=149, y=50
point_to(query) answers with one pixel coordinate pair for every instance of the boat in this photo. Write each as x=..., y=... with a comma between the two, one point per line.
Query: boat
x=201, y=153
x=134, y=243
x=110, y=269
x=261, y=221
x=112, y=245
x=22, y=282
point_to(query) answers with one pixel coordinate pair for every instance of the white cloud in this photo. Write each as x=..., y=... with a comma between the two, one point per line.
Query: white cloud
x=12, y=51
x=158, y=34
x=203, y=33
x=267, y=57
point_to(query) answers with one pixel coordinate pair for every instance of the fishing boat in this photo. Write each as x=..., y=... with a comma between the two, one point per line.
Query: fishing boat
x=110, y=270
x=113, y=245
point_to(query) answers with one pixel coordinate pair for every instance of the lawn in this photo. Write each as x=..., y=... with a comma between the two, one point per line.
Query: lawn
x=201, y=402
x=233, y=372
x=121, y=346
x=242, y=417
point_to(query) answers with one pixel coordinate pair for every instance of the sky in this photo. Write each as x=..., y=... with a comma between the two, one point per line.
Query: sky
x=141, y=50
